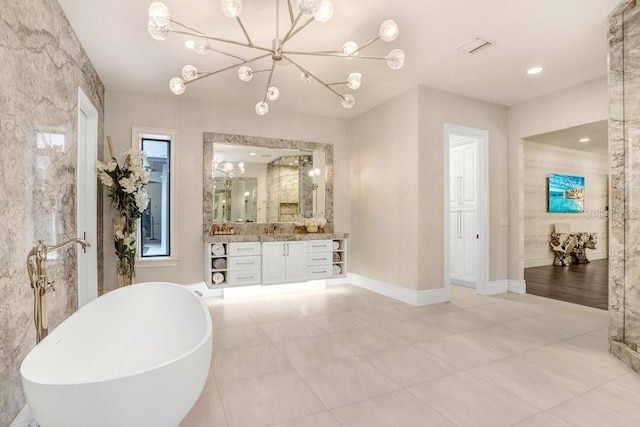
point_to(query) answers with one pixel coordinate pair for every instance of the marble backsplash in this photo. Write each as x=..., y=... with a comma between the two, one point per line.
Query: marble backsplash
x=42, y=66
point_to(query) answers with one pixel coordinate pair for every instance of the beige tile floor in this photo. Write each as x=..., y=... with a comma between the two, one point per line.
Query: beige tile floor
x=348, y=357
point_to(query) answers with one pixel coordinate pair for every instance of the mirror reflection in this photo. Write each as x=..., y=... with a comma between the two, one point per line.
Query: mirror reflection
x=258, y=184
x=265, y=180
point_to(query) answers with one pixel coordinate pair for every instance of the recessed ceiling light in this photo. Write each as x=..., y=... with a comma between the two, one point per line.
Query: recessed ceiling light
x=252, y=154
x=584, y=139
x=535, y=70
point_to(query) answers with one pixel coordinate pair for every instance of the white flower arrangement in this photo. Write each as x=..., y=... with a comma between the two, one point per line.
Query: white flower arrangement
x=126, y=186
x=315, y=222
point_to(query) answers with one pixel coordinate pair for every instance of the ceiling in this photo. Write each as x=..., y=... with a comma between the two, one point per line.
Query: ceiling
x=596, y=132
x=568, y=38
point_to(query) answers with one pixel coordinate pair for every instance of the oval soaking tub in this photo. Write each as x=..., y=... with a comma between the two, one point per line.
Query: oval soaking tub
x=136, y=356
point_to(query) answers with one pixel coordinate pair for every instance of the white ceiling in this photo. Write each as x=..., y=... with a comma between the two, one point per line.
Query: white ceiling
x=567, y=37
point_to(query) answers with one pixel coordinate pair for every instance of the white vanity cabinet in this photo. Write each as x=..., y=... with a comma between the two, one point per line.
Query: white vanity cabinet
x=319, y=259
x=243, y=263
x=284, y=262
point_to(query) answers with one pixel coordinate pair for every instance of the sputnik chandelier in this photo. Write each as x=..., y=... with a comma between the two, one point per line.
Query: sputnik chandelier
x=160, y=25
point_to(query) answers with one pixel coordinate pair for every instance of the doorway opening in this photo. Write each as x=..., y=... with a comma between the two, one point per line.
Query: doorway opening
x=466, y=208
x=87, y=198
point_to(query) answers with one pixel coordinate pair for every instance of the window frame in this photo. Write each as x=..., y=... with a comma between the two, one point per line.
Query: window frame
x=137, y=134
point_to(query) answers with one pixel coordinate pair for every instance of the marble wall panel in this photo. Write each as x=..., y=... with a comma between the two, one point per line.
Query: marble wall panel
x=623, y=146
x=42, y=66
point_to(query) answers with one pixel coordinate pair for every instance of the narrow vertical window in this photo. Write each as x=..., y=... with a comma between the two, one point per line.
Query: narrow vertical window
x=155, y=230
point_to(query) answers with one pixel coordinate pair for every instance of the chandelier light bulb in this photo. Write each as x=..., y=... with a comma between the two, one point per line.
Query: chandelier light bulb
x=231, y=175
x=314, y=172
x=306, y=78
x=159, y=24
x=354, y=81
x=176, y=85
x=227, y=167
x=189, y=72
x=389, y=31
x=273, y=93
x=309, y=7
x=395, y=59
x=201, y=46
x=325, y=12
x=262, y=108
x=349, y=47
x=231, y=8
x=245, y=73
x=348, y=101
x=190, y=44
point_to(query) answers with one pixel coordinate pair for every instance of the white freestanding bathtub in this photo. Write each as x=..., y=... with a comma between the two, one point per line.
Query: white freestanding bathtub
x=136, y=356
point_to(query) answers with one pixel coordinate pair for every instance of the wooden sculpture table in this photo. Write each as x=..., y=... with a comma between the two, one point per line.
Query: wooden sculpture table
x=571, y=248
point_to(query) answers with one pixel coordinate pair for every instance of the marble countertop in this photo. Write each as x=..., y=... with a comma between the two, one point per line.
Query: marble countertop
x=277, y=237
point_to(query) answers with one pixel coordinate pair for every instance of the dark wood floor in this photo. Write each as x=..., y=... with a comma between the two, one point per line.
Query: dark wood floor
x=585, y=284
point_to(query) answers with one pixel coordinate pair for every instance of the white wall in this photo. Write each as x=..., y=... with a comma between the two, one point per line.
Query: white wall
x=384, y=192
x=539, y=161
x=397, y=182
x=436, y=109
x=191, y=119
x=578, y=105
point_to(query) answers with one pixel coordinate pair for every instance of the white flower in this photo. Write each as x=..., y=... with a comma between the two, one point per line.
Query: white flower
x=142, y=199
x=128, y=184
x=130, y=240
x=107, y=167
x=105, y=179
x=117, y=232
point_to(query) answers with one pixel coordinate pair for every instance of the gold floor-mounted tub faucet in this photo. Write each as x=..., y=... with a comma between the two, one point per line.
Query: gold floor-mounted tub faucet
x=37, y=268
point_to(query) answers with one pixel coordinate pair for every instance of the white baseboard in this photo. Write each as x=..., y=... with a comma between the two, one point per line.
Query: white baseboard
x=541, y=262
x=409, y=296
x=518, y=286
x=504, y=286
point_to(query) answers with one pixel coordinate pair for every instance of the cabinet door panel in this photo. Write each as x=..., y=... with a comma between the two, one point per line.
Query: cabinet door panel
x=273, y=270
x=296, y=261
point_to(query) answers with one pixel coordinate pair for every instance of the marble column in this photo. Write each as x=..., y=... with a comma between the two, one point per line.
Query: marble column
x=624, y=149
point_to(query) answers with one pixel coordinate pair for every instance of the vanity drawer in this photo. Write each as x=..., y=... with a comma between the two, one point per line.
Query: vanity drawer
x=319, y=258
x=249, y=277
x=319, y=272
x=244, y=248
x=319, y=245
x=242, y=263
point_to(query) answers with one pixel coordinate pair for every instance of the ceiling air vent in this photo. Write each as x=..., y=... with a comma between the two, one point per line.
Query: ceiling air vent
x=474, y=45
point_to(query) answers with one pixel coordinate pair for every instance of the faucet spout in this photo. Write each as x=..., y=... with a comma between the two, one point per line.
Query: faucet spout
x=37, y=269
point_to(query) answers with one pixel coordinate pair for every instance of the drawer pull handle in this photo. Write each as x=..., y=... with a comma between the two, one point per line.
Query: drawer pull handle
x=245, y=263
x=319, y=246
x=318, y=272
x=245, y=249
x=318, y=259
x=246, y=277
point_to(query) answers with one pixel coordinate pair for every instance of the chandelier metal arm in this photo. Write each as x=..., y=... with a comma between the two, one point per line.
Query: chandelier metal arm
x=244, y=30
x=290, y=10
x=302, y=69
x=203, y=75
x=273, y=66
x=183, y=25
x=334, y=55
x=367, y=44
x=204, y=36
x=293, y=26
x=290, y=36
x=337, y=83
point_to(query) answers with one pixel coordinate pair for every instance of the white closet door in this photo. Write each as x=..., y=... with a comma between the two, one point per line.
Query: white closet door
x=463, y=208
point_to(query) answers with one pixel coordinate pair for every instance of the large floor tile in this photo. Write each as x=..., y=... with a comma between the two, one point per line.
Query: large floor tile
x=207, y=411
x=223, y=316
x=415, y=330
x=533, y=384
x=456, y=321
x=461, y=351
x=368, y=340
x=338, y=322
x=469, y=401
x=542, y=420
x=384, y=313
x=409, y=365
x=346, y=381
x=283, y=330
x=263, y=312
x=503, y=338
x=590, y=367
x=247, y=362
x=399, y=408
x=268, y=400
x=238, y=336
x=322, y=419
x=597, y=408
x=308, y=351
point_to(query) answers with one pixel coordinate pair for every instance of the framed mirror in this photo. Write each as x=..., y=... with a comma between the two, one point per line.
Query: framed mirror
x=265, y=180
